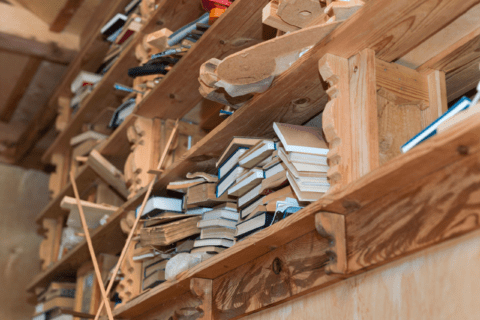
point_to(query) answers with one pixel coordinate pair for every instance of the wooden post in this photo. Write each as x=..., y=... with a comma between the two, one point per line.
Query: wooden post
x=437, y=89
x=363, y=104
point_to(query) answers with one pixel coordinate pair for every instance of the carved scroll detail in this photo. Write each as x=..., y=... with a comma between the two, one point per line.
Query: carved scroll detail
x=334, y=71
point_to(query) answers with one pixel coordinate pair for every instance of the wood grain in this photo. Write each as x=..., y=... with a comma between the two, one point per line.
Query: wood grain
x=436, y=208
x=289, y=271
x=65, y=14
x=363, y=102
x=437, y=89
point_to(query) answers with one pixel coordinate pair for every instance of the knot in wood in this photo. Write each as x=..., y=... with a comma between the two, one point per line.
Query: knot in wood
x=277, y=266
x=462, y=150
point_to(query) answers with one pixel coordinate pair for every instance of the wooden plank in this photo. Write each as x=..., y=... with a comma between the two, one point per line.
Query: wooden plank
x=436, y=208
x=108, y=172
x=363, y=102
x=402, y=81
x=287, y=272
x=232, y=32
x=173, y=15
x=65, y=15
x=467, y=25
x=11, y=132
x=20, y=88
x=34, y=38
x=437, y=88
x=463, y=79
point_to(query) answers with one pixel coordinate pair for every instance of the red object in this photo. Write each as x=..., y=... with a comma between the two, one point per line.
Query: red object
x=208, y=5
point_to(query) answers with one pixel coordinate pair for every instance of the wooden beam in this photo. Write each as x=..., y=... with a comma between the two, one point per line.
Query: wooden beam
x=24, y=33
x=11, y=132
x=108, y=172
x=65, y=15
x=20, y=88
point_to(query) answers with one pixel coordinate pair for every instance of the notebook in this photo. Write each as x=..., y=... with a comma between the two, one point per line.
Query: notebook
x=301, y=139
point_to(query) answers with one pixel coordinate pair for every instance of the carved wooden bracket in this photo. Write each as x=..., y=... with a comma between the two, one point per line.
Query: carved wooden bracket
x=332, y=227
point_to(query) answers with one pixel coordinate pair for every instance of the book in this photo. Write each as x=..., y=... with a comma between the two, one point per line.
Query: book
x=79, y=96
x=217, y=223
x=217, y=232
x=169, y=233
x=301, y=139
x=147, y=253
x=237, y=142
x=273, y=170
x=228, y=180
x=431, y=130
x=227, y=243
x=204, y=195
x=166, y=217
x=274, y=183
x=151, y=265
x=221, y=214
x=87, y=135
x=121, y=113
x=306, y=195
x=256, y=154
x=231, y=162
x=131, y=6
x=245, y=212
x=227, y=206
x=157, y=277
x=275, y=160
x=61, y=302
x=307, y=158
x=113, y=25
x=297, y=174
x=84, y=78
x=183, y=185
x=256, y=211
x=250, y=180
x=279, y=194
x=261, y=221
x=208, y=249
x=184, y=246
x=156, y=205
x=309, y=184
x=58, y=289
x=249, y=197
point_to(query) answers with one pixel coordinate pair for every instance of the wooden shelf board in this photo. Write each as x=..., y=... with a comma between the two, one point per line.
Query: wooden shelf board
x=173, y=15
x=232, y=32
x=420, y=164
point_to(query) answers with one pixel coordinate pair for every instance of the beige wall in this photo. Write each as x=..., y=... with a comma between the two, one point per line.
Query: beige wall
x=440, y=283
x=23, y=193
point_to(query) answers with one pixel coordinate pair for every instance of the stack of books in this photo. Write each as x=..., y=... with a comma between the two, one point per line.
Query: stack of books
x=303, y=152
x=217, y=229
x=56, y=295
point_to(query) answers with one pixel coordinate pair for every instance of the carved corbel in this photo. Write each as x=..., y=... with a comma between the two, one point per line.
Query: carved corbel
x=335, y=120
x=332, y=227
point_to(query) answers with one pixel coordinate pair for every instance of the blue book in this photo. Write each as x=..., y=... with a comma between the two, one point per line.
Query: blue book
x=431, y=130
x=254, y=224
x=231, y=162
x=228, y=180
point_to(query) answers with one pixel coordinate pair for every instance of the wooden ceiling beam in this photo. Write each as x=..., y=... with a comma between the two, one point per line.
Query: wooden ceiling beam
x=20, y=88
x=24, y=33
x=65, y=15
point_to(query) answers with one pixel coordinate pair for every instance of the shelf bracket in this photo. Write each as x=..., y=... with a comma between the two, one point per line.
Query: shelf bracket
x=332, y=226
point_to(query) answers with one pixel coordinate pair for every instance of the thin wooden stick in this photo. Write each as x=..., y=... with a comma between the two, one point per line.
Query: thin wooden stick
x=90, y=247
x=130, y=235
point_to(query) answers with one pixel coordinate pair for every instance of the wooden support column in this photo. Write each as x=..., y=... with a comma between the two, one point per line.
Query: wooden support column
x=363, y=104
x=437, y=89
x=332, y=227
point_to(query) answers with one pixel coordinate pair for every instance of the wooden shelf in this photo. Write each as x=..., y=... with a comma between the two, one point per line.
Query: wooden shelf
x=172, y=15
x=178, y=92
x=438, y=168
x=406, y=206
